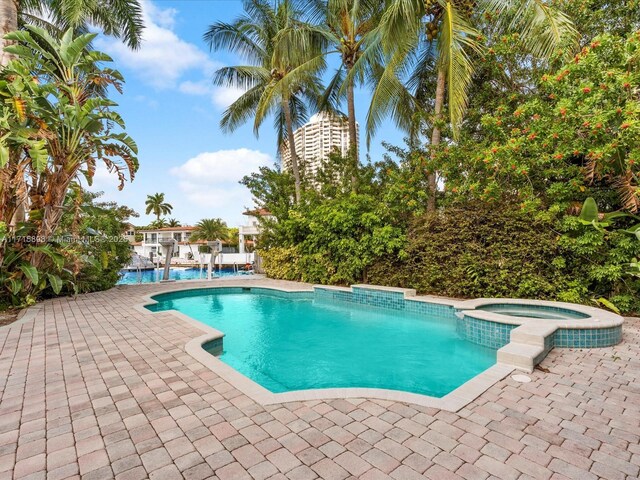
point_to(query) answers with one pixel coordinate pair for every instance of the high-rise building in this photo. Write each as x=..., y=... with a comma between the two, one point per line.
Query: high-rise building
x=314, y=141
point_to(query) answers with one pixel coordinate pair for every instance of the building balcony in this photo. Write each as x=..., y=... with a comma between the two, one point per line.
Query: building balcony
x=249, y=230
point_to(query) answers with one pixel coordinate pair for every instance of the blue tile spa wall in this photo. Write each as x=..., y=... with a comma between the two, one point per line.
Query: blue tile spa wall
x=587, y=337
x=383, y=299
x=483, y=332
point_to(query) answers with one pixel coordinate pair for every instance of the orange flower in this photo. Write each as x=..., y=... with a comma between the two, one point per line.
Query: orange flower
x=625, y=125
x=586, y=90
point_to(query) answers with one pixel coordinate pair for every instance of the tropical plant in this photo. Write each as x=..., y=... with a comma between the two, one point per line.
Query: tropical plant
x=406, y=29
x=172, y=222
x=55, y=125
x=210, y=229
x=120, y=18
x=578, y=136
x=281, y=78
x=20, y=280
x=98, y=251
x=155, y=204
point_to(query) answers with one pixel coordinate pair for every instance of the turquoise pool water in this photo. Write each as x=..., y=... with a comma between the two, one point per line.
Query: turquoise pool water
x=286, y=343
x=533, y=311
x=175, y=273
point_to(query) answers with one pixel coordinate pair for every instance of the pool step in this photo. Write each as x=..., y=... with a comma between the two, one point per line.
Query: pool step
x=532, y=333
x=520, y=355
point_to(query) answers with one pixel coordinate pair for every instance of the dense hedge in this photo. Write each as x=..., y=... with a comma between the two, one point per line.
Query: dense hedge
x=281, y=263
x=478, y=251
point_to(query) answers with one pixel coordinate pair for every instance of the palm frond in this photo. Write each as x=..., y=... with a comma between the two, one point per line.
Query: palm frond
x=242, y=110
x=456, y=37
x=236, y=38
x=243, y=77
x=543, y=28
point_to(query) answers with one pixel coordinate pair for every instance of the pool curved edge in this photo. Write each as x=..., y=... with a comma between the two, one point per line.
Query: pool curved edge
x=453, y=401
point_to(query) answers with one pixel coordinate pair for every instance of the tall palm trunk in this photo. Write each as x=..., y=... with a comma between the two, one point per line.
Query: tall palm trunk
x=292, y=146
x=8, y=23
x=353, y=137
x=435, y=138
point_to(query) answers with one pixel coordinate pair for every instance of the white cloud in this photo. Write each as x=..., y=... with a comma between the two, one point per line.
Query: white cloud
x=225, y=96
x=221, y=97
x=196, y=88
x=221, y=167
x=209, y=181
x=163, y=57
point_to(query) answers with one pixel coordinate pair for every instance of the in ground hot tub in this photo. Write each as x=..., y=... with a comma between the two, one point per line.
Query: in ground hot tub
x=533, y=311
x=524, y=331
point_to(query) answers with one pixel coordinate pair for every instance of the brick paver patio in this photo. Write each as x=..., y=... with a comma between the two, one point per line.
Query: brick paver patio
x=93, y=388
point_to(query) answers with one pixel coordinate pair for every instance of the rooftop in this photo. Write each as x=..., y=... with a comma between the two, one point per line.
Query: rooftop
x=168, y=229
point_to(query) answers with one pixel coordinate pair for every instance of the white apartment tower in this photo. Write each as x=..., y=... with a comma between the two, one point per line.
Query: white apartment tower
x=316, y=139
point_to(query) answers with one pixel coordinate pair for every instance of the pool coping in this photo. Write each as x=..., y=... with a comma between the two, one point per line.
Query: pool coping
x=526, y=346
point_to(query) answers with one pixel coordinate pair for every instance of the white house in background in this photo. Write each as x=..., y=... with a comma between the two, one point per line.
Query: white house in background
x=150, y=245
x=186, y=252
x=250, y=230
x=129, y=233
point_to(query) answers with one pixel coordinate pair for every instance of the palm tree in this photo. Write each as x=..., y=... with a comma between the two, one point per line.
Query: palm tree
x=159, y=223
x=172, y=222
x=454, y=28
x=120, y=18
x=155, y=204
x=348, y=27
x=210, y=229
x=281, y=78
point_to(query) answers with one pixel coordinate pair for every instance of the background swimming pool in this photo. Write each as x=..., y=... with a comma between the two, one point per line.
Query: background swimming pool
x=289, y=344
x=175, y=273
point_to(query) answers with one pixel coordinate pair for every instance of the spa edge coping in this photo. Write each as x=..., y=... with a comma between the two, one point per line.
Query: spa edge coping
x=526, y=345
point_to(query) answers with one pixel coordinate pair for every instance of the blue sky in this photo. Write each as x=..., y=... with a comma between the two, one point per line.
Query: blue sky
x=172, y=111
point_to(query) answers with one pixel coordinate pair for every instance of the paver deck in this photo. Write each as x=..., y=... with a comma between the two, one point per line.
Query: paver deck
x=93, y=388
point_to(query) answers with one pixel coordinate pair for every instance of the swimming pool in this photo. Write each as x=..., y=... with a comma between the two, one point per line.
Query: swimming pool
x=175, y=273
x=288, y=342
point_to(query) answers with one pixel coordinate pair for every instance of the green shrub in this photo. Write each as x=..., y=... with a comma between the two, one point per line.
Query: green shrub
x=478, y=251
x=100, y=264
x=281, y=263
